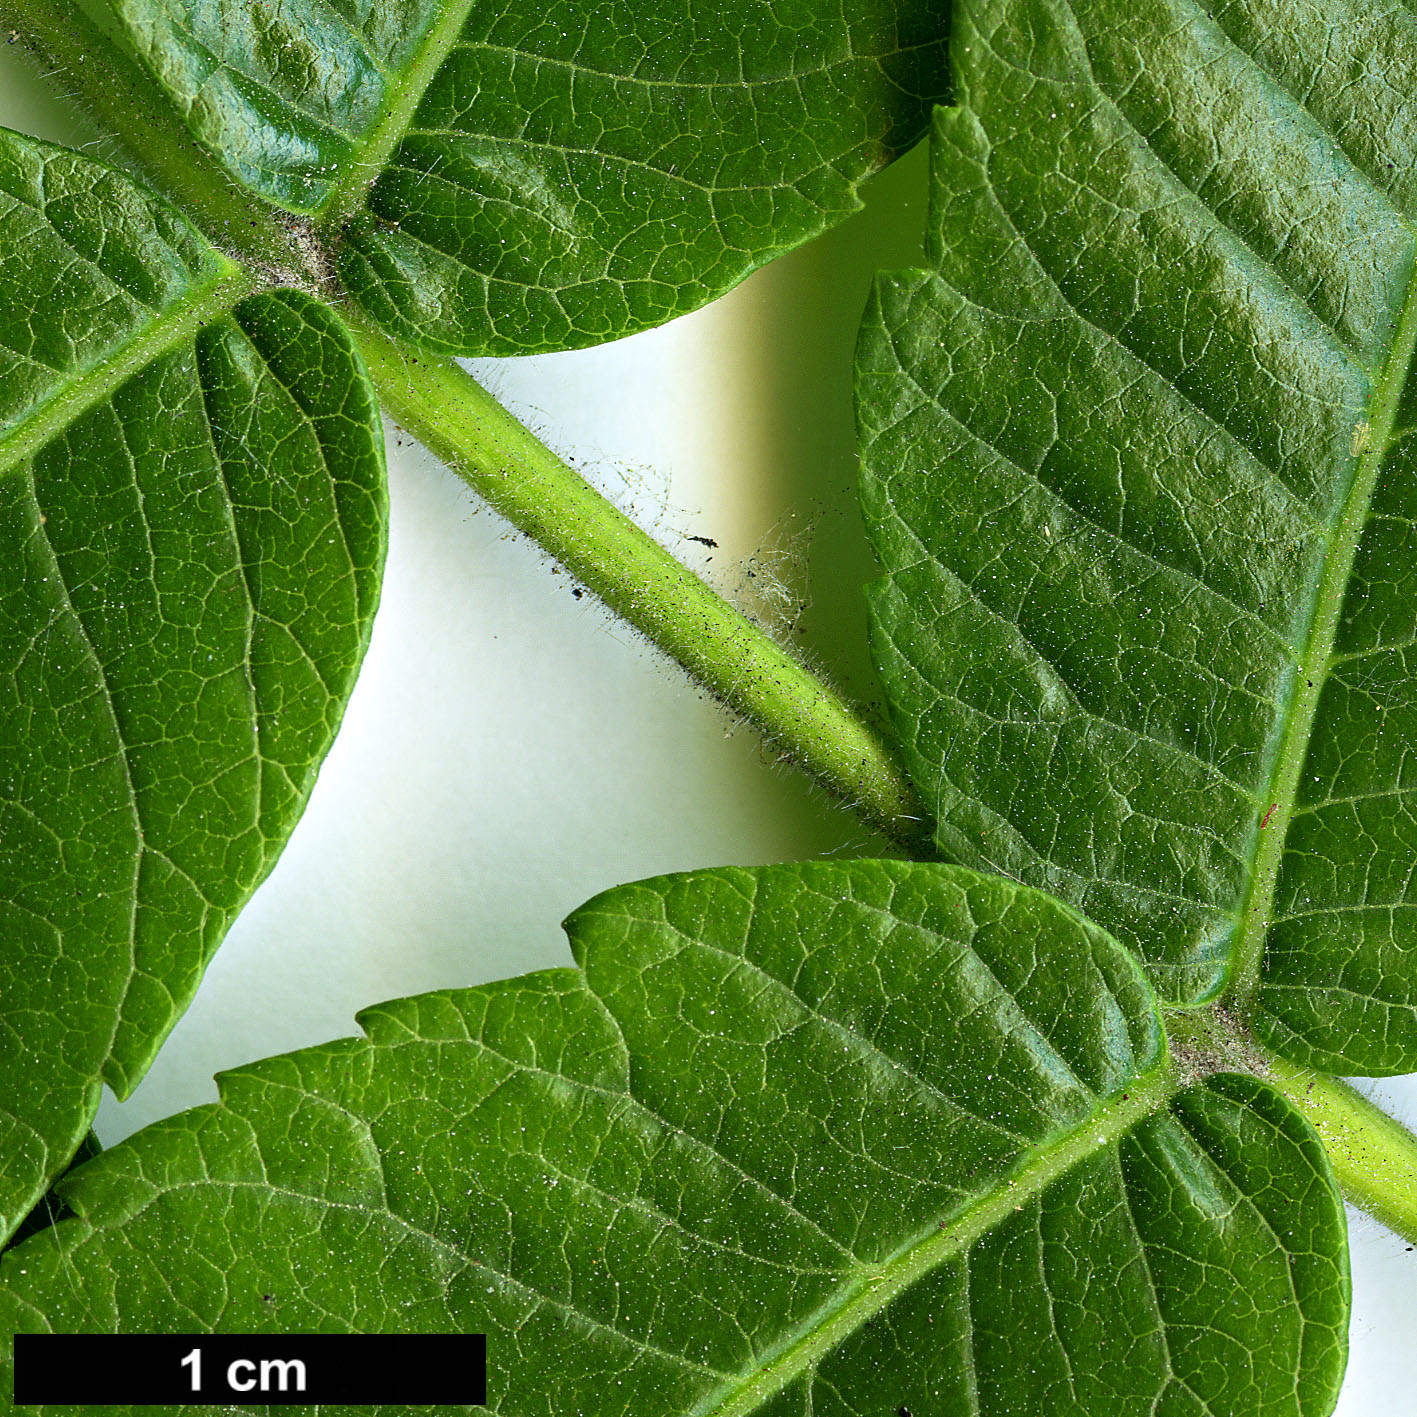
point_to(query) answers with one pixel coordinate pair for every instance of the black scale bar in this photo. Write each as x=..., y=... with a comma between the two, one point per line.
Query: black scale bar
x=142, y=1369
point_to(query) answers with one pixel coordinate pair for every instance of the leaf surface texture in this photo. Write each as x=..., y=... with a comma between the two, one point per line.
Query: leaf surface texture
x=1137, y=468
x=833, y=1138
x=551, y=176
x=191, y=534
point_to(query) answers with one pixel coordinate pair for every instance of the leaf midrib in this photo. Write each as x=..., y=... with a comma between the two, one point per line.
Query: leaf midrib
x=205, y=301
x=371, y=155
x=860, y=1302
x=1317, y=658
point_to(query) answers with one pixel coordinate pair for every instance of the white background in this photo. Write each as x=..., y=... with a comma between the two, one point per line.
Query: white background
x=510, y=749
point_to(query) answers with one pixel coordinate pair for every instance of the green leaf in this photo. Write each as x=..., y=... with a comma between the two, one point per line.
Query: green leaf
x=831, y=1138
x=51, y=1209
x=500, y=180
x=191, y=533
x=1138, y=472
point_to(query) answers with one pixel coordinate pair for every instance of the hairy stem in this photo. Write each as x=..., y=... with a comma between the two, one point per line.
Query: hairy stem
x=639, y=580
x=511, y=469
x=91, y=67
x=1374, y=1157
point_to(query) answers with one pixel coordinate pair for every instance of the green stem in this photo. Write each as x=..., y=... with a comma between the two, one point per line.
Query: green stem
x=510, y=468
x=1374, y=1157
x=638, y=579
x=92, y=67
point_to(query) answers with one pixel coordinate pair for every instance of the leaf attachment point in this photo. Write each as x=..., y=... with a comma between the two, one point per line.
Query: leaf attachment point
x=506, y=181
x=192, y=519
x=1138, y=474
x=824, y=1138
